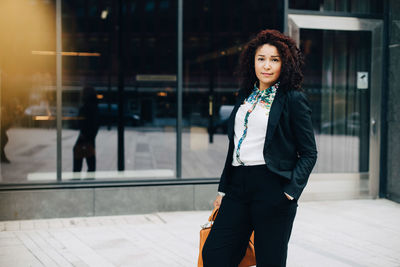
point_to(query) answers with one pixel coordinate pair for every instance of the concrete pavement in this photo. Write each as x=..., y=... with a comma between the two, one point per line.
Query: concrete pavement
x=325, y=233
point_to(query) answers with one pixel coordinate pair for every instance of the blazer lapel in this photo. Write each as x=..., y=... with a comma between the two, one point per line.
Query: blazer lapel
x=231, y=120
x=274, y=115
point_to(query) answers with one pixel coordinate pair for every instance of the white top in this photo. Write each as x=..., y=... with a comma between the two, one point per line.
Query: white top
x=249, y=136
x=251, y=149
x=250, y=126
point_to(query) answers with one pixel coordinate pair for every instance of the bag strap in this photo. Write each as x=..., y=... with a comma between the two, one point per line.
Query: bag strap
x=213, y=214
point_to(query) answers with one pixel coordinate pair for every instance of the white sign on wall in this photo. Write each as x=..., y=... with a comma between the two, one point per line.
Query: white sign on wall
x=362, y=80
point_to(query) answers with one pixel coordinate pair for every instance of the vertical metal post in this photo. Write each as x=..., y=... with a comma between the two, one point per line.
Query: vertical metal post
x=383, y=172
x=59, y=88
x=285, y=16
x=179, y=93
x=110, y=24
x=211, y=101
x=1, y=113
x=121, y=65
x=211, y=76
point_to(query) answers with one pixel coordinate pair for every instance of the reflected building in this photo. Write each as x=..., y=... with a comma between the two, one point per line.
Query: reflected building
x=159, y=126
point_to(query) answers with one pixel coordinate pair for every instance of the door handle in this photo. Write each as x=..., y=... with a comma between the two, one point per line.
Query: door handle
x=373, y=126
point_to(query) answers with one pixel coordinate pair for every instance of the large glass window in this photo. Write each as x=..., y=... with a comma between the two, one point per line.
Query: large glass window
x=119, y=65
x=27, y=95
x=215, y=33
x=119, y=91
x=120, y=84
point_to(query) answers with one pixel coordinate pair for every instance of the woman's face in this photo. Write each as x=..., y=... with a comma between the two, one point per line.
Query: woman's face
x=267, y=64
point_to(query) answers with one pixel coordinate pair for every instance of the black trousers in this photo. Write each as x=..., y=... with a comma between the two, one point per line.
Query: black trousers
x=254, y=201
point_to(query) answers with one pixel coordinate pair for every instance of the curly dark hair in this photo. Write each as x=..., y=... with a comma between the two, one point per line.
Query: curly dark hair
x=291, y=75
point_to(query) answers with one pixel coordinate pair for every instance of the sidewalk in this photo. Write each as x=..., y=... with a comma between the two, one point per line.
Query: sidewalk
x=325, y=233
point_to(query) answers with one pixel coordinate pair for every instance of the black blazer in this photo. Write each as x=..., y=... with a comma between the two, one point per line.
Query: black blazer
x=289, y=147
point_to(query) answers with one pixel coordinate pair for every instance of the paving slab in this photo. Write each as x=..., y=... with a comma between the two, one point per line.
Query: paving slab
x=348, y=233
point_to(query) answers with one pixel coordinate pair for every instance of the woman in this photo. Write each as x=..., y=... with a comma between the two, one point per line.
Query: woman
x=270, y=156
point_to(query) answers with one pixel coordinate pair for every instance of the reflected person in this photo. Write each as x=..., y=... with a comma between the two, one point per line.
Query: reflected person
x=9, y=113
x=5, y=125
x=85, y=147
x=271, y=154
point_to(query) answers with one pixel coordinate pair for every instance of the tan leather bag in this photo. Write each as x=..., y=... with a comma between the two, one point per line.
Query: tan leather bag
x=249, y=258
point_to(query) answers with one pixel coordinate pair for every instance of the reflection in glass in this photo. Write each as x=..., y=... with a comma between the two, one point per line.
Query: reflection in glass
x=339, y=97
x=27, y=81
x=85, y=145
x=214, y=36
x=127, y=54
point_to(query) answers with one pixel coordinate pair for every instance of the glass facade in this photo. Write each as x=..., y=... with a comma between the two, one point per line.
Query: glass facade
x=119, y=62
x=129, y=65
x=119, y=86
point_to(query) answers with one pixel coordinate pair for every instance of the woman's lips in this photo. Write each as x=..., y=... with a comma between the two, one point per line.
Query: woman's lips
x=266, y=74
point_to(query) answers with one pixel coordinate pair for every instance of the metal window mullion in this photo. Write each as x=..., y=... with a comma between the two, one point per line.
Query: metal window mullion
x=285, y=28
x=179, y=92
x=383, y=172
x=59, y=88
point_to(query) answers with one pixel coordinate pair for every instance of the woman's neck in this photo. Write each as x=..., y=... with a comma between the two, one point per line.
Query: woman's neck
x=264, y=86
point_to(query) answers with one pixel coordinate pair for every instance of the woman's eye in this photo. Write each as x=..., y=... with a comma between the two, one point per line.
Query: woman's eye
x=275, y=60
x=260, y=59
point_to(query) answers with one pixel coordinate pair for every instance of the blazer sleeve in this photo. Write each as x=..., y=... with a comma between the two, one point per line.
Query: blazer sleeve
x=300, y=121
x=228, y=162
x=222, y=182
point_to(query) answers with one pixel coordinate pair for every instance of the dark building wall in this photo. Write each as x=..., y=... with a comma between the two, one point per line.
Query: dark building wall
x=393, y=117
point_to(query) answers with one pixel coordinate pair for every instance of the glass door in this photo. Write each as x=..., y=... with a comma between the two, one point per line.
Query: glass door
x=342, y=78
x=335, y=61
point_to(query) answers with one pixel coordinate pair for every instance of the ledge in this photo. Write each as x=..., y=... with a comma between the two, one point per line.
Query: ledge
x=103, y=184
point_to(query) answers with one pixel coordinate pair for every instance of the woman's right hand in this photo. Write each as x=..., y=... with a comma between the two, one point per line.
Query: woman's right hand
x=217, y=201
